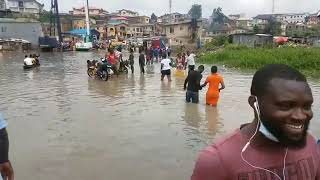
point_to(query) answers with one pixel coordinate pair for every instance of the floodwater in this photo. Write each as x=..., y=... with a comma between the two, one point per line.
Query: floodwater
x=66, y=125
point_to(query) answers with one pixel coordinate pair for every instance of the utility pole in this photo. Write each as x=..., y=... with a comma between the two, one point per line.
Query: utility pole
x=170, y=11
x=273, y=4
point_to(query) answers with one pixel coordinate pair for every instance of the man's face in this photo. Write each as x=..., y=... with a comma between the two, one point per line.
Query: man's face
x=286, y=110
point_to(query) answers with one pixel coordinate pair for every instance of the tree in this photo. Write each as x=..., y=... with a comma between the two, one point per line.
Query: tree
x=256, y=29
x=273, y=27
x=196, y=11
x=153, y=18
x=218, y=17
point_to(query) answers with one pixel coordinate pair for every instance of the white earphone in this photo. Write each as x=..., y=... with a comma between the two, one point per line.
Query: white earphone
x=257, y=109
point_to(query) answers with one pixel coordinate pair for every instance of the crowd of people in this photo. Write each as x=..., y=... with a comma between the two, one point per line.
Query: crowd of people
x=32, y=60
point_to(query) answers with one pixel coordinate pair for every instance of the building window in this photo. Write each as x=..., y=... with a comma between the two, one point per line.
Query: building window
x=20, y=4
x=171, y=30
x=181, y=28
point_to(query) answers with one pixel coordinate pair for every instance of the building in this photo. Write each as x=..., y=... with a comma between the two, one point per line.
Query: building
x=141, y=30
x=93, y=11
x=262, y=20
x=26, y=29
x=225, y=30
x=252, y=40
x=313, y=20
x=244, y=23
x=292, y=18
x=182, y=32
x=24, y=6
x=296, y=30
x=117, y=29
x=80, y=23
x=139, y=19
x=127, y=13
x=3, y=5
x=66, y=26
x=173, y=18
x=118, y=19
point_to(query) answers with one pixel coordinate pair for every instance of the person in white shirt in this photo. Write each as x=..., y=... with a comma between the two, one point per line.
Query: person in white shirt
x=28, y=61
x=190, y=60
x=165, y=68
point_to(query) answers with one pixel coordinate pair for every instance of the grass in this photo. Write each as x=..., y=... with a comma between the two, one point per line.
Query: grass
x=306, y=60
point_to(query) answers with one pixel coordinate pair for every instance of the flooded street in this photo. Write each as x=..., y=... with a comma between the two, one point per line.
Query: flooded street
x=66, y=125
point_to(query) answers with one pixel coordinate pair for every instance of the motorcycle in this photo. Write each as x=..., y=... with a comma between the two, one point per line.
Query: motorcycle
x=102, y=71
x=124, y=66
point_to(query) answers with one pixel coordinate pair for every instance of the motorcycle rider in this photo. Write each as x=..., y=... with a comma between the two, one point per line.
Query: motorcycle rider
x=113, y=61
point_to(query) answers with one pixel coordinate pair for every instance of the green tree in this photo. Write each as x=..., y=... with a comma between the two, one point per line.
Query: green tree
x=196, y=11
x=273, y=27
x=218, y=17
x=256, y=29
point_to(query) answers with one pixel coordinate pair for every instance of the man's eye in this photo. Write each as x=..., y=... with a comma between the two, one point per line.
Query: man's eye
x=285, y=106
x=307, y=107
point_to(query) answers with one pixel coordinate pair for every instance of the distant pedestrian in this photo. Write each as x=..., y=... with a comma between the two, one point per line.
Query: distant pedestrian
x=179, y=62
x=166, y=68
x=131, y=61
x=191, y=60
x=169, y=51
x=193, y=81
x=142, y=61
x=184, y=60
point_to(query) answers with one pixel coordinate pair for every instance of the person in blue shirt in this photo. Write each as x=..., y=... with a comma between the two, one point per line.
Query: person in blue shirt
x=6, y=169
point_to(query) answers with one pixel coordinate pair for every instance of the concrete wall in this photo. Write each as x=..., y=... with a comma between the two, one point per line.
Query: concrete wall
x=181, y=30
x=28, y=31
x=252, y=40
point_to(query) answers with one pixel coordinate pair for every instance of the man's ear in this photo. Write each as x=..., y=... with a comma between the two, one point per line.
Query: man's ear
x=251, y=100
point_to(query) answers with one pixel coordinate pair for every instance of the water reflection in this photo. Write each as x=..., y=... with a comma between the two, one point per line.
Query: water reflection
x=212, y=118
x=192, y=115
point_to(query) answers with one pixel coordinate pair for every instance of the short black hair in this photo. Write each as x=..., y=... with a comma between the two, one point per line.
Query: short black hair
x=201, y=67
x=264, y=75
x=164, y=55
x=191, y=68
x=214, y=69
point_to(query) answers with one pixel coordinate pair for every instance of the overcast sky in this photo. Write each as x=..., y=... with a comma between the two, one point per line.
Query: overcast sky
x=160, y=7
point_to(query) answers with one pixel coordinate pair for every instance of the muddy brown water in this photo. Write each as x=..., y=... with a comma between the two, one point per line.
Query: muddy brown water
x=66, y=125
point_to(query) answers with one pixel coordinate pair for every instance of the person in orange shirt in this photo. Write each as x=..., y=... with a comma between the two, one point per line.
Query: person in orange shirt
x=214, y=80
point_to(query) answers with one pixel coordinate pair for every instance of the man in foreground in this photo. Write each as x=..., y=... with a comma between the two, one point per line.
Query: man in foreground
x=5, y=165
x=276, y=145
x=193, y=81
